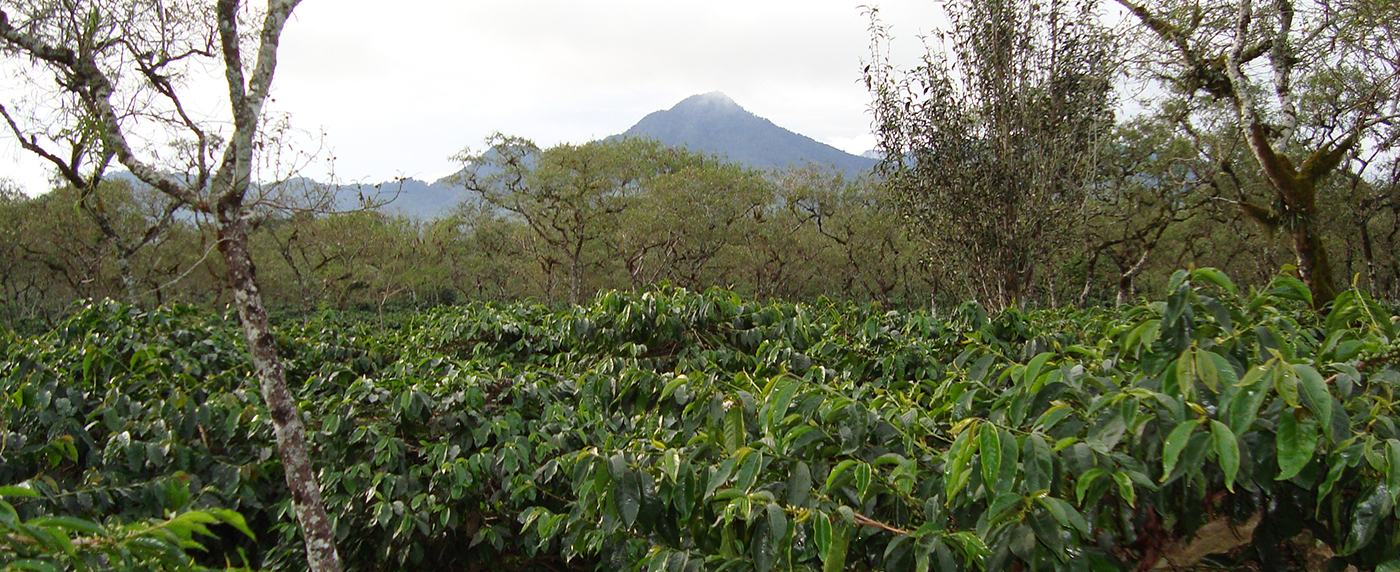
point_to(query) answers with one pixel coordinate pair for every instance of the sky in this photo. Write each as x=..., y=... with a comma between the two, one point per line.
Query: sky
x=398, y=91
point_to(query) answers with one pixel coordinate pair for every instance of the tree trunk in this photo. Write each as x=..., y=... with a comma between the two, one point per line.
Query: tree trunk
x=129, y=285
x=1368, y=253
x=1314, y=267
x=286, y=419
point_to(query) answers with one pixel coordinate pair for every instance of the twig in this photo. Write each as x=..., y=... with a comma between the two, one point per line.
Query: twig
x=867, y=521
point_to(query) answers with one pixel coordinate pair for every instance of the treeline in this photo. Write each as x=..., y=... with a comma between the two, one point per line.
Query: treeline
x=558, y=225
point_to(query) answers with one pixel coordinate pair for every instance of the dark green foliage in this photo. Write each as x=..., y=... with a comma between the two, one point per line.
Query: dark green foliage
x=671, y=430
x=53, y=543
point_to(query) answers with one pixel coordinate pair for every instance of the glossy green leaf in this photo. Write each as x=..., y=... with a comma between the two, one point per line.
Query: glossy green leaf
x=1244, y=408
x=735, y=435
x=1039, y=465
x=989, y=447
x=1227, y=452
x=1085, y=481
x=31, y=564
x=20, y=492
x=1022, y=541
x=777, y=523
x=1319, y=399
x=1003, y=507
x=821, y=532
x=1184, y=375
x=1032, y=371
x=768, y=540
x=748, y=470
x=1125, y=487
x=673, y=385
x=627, y=495
x=1175, y=443
x=1296, y=441
x=1216, y=277
x=835, y=474
x=1066, y=514
x=780, y=401
x=834, y=556
x=1203, y=364
x=68, y=523
x=956, y=470
x=799, y=484
x=1286, y=384
x=1176, y=280
x=1290, y=288
x=1392, y=472
x=981, y=368
x=861, y=474
x=1373, y=509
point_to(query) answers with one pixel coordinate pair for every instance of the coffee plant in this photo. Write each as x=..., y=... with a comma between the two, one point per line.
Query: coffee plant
x=679, y=431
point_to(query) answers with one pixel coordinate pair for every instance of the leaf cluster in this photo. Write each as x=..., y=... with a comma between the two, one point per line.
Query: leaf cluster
x=672, y=430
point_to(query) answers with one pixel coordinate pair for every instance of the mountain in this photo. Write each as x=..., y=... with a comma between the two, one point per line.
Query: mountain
x=710, y=123
x=407, y=197
x=713, y=123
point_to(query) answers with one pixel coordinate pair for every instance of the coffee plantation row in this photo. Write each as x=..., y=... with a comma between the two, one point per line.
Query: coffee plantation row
x=685, y=432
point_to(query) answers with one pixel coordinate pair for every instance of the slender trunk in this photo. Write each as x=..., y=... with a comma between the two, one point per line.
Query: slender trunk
x=576, y=274
x=575, y=286
x=1313, y=265
x=1088, y=280
x=133, y=293
x=1366, y=251
x=286, y=419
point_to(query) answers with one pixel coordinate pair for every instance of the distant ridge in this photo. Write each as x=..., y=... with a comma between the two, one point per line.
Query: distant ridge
x=714, y=123
x=710, y=123
x=406, y=197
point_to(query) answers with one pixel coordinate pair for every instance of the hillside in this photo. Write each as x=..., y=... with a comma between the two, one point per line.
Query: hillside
x=714, y=123
x=711, y=123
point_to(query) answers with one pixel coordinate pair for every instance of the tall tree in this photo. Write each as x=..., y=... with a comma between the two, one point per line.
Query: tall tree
x=119, y=67
x=685, y=222
x=989, y=150
x=570, y=196
x=1150, y=183
x=869, y=252
x=1315, y=81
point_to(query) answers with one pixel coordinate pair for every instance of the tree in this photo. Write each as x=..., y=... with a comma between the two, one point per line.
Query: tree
x=570, y=196
x=481, y=256
x=1313, y=80
x=1372, y=215
x=858, y=224
x=54, y=254
x=989, y=152
x=119, y=67
x=686, y=221
x=1150, y=182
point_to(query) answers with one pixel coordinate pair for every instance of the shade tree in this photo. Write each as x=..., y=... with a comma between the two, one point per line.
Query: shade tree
x=1307, y=86
x=989, y=144
x=113, y=76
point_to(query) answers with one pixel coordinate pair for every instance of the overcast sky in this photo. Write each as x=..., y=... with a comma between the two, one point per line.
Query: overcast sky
x=399, y=87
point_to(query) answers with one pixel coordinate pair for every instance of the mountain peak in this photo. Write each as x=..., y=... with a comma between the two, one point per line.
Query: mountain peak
x=714, y=123
x=714, y=101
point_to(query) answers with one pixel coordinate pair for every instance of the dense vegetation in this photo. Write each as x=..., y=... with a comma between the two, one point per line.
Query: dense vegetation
x=672, y=430
x=797, y=235
x=837, y=404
